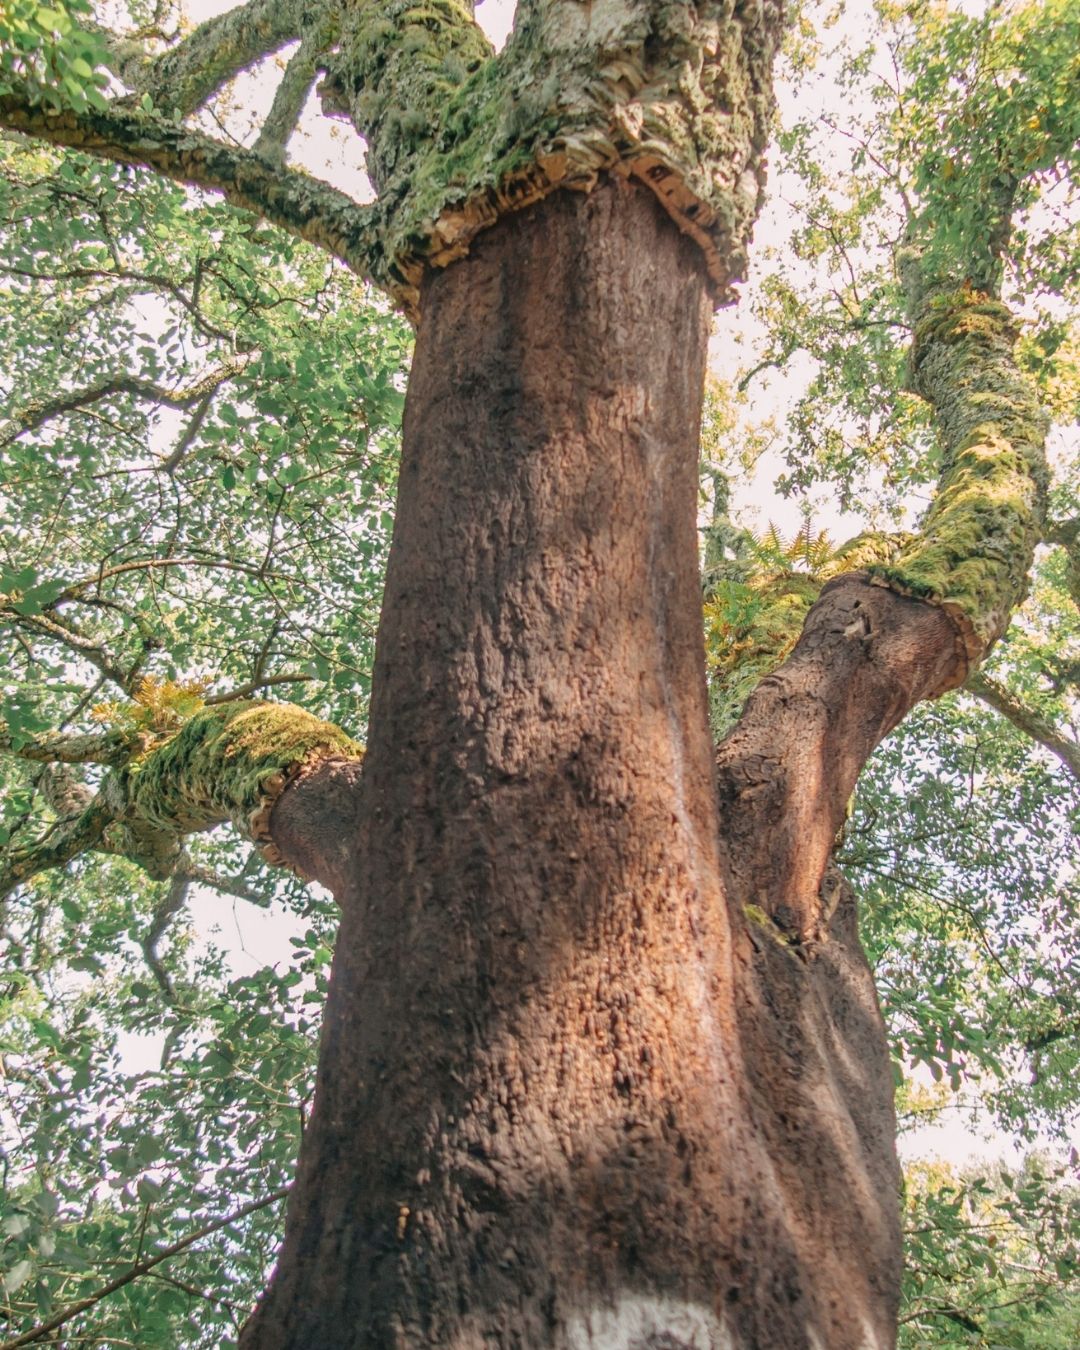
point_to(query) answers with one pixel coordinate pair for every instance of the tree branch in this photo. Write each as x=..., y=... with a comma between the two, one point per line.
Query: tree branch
x=1066, y=534
x=977, y=542
x=236, y=886
x=289, y=100
x=48, y=749
x=1027, y=720
x=164, y=912
x=40, y=411
x=253, y=686
x=186, y=75
x=150, y=280
x=227, y=763
x=57, y=848
x=138, y=1269
x=865, y=657
x=65, y=633
x=296, y=202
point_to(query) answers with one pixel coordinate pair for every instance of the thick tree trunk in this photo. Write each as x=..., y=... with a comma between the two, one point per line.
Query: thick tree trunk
x=570, y=1094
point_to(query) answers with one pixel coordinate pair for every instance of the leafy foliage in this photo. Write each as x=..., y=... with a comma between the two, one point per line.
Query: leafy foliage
x=993, y=1259
x=43, y=48
x=197, y=468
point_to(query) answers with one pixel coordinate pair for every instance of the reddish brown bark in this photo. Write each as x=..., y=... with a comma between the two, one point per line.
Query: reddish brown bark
x=314, y=821
x=570, y=1094
x=866, y=656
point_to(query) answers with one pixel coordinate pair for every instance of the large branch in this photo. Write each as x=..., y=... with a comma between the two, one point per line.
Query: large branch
x=185, y=76
x=976, y=546
x=678, y=97
x=296, y=202
x=865, y=657
x=902, y=629
x=230, y=763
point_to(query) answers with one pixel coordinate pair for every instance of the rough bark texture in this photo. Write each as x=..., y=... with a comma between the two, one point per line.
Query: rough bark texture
x=677, y=95
x=571, y=1094
x=865, y=657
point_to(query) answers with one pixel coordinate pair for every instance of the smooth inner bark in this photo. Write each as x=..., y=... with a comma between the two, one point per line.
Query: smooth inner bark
x=570, y=1094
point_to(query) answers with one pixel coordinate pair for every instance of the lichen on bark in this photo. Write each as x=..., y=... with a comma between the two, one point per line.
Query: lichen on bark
x=678, y=96
x=975, y=548
x=228, y=763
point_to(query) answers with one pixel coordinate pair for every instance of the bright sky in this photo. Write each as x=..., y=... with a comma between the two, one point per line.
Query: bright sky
x=333, y=152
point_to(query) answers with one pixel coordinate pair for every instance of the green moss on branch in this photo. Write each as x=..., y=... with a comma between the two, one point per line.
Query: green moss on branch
x=752, y=626
x=975, y=549
x=677, y=96
x=229, y=763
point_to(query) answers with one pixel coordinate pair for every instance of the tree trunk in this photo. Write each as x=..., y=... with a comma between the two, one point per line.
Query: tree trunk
x=570, y=1093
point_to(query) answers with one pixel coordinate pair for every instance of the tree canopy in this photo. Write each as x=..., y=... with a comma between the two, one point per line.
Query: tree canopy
x=198, y=446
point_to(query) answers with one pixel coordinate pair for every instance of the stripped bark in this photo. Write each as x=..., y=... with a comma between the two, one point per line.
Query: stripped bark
x=570, y=1093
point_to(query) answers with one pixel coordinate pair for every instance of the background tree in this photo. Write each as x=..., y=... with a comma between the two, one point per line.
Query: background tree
x=170, y=742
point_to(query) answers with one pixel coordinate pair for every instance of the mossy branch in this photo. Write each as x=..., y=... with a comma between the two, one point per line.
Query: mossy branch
x=185, y=76
x=47, y=748
x=677, y=97
x=289, y=100
x=752, y=625
x=63, y=843
x=975, y=549
x=227, y=763
x=298, y=203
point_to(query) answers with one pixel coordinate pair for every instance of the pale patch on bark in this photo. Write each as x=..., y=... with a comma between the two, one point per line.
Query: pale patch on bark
x=870, y=1341
x=648, y=1322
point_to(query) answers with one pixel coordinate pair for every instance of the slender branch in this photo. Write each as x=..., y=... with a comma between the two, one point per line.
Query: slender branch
x=65, y=632
x=950, y=1314
x=289, y=101
x=188, y=436
x=40, y=411
x=138, y=1269
x=151, y=280
x=1027, y=720
x=237, y=887
x=253, y=687
x=77, y=588
x=165, y=911
x=305, y=206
